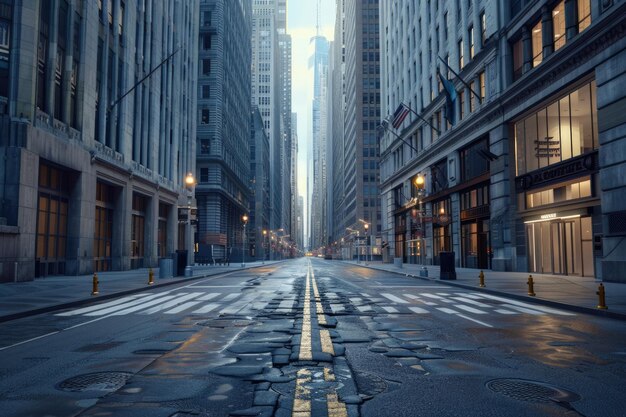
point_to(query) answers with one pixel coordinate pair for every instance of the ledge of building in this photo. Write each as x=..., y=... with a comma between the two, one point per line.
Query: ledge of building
x=9, y=230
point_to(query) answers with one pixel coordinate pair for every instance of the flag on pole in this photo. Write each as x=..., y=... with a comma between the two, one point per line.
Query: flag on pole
x=399, y=115
x=450, y=92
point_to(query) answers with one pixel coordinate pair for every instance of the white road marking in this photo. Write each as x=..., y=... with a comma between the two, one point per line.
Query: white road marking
x=527, y=305
x=474, y=320
x=390, y=309
x=209, y=296
x=364, y=294
x=172, y=303
x=336, y=308
x=418, y=310
x=230, y=297
x=99, y=306
x=502, y=311
x=143, y=306
x=428, y=303
x=286, y=304
x=126, y=305
x=364, y=309
x=29, y=340
x=182, y=307
x=432, y=296
x=469, y=309
x=472, y=302
x=524, y=310
x=411, y=296
x=394, y=298
x=206, y=308
x=447, y=310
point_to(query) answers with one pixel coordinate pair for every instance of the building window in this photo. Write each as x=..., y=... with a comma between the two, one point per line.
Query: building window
x=518, y=60
x=567, y=191
x=537, y=45
x=206, y=41
x=564, y=129
x=483, y=86
x=204, y=116
x=206, y=18
x=205, y=146
x=206, y=91
x=103, y=227
x=162, y=231
x=472, y=105
x=483, y=28
x=5, y=47
x=473, y=160
x=462, y=104
x=206, y=66
x=584, y=14
x=204, y=175
x=470, y=35
x=460, y=47
x=137, y=231
x=558, y=25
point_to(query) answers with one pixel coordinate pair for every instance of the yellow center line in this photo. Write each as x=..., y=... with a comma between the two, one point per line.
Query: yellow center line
x=327, y=344
x=302, y=397
x=305, y=339
x=321, y=318
x=335, y=407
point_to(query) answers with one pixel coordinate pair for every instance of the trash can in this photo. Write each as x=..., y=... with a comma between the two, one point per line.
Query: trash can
x=447, y=270
x=180, y=262
x=397, y=262
x=165, y=268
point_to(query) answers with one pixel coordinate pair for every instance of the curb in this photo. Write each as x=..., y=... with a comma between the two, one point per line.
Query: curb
x=535, y=300
x=87, y=301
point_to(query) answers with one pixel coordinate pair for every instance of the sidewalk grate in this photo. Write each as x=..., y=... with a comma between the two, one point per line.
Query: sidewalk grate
x=99, y=381
x=531, y=391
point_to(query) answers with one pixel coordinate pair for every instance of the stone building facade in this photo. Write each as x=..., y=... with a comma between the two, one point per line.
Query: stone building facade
x=93, y=159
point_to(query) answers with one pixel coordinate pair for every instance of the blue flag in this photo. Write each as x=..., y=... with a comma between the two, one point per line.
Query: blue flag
x=450, y=91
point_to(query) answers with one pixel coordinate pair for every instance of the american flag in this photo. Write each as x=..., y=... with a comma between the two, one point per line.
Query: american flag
x=399, y=115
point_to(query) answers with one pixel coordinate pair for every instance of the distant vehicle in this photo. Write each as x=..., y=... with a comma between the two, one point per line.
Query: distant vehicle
x=309, y=254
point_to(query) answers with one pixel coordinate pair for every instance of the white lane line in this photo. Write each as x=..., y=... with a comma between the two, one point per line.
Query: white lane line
x=472, y=302
x=474, y=320
x=230, y=297
x=503, y=311
x=394, y=298
x=171, y=303
x=29, y=340
x=411, y=296
x=206, y=308
x=469, y=309
x=390, y=309
x=142, y=306
x=364, y=309
x=530, y=306
x=99, y=306
x=209, y=296
x=182, y=307
x=447, y=310
x=126, y=305
x=418, y=310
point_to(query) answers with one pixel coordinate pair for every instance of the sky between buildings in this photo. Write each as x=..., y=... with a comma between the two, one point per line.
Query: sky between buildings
x=301, y=25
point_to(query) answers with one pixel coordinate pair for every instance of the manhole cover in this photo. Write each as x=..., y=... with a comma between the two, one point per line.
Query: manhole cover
x=531, y=391
x=100, y=381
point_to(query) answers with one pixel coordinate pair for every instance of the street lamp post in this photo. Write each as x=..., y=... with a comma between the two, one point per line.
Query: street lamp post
x=244, y=219
x=367, y=244
x=265, y=244
x=190, y=181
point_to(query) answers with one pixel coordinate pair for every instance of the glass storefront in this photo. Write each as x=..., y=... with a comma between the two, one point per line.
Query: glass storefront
x=562, y=246
x=103, y=227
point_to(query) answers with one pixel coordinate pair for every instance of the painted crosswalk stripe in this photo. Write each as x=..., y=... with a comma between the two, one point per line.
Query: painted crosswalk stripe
x=435, y=296
x=469, y=309
x=411, y=296
x=390, y=309
x=142, y=306
x=286, y=304
x=524, y=310
x=418, y=310
x=428, y=303
x=482, y=323
x=503, y=311
x=530, y=306
x=125, y=305
x=206, y=308
x=364, y=294
x=364, y=309
x=336, y=308
x=472, y=302
x=172, y=303
x=394, y=298
x=99, y=306
x=230, y=297
x=209, y=296
x=182, y=307
x=447, y=310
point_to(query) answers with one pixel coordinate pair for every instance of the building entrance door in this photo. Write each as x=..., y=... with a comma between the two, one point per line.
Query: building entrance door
x=555, y=247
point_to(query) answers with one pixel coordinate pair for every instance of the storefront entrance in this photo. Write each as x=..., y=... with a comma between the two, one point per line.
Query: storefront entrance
x=562, y=246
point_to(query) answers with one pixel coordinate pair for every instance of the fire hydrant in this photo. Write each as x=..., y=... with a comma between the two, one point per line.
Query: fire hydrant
x=531, y=290
x=94, y=290
x=481, y=277
x=601, y=298
x=150, y=277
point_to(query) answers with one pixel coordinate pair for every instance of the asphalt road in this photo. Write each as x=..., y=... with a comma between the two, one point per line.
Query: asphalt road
x=312, y=338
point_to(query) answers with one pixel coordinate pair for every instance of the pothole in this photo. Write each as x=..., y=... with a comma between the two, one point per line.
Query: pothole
x=99, y=381
x=531, y=391
x=368, y=384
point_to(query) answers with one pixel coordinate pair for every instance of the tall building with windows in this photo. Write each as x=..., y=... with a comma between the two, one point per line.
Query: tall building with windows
x=223, y=133
x=519, y=153
x=260, y=199
x=94, y=161
x=356, y=94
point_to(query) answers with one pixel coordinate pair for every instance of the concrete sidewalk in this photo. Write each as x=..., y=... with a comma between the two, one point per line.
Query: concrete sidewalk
x=22, y=299
x=566, y=292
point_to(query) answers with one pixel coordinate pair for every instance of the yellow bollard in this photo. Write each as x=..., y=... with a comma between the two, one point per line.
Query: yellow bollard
x=481, y=277
x=531, y=290
x=601, y=298
x=150, y=277
x=94, y=290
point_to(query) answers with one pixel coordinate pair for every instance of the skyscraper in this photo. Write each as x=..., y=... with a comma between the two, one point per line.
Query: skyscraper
x=93, y=162
x=223, y=160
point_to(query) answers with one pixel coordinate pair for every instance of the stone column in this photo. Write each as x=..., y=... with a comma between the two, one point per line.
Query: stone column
x=527, y=47
x=571, y=19
x=547, y=32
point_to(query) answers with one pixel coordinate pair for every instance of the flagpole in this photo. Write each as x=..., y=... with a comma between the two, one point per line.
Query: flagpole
x=384, y=126
x=480, y=99
x=421, y=118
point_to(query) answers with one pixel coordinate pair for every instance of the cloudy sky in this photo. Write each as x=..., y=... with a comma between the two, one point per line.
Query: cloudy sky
x=301, y=25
